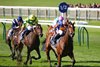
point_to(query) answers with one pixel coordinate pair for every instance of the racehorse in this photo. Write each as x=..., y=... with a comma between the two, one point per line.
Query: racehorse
x=64, y=47
x=49, y=31
x=50, y=28
x=32, y=42
x=15, y=47
x=8, y=40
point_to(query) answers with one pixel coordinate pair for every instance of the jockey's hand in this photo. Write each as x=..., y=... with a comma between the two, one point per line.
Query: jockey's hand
x=17, y=27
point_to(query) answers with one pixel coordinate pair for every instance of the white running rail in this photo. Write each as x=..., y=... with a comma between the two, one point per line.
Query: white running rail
x=49, y=22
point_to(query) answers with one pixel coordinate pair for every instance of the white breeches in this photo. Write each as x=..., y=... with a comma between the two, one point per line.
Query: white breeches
x=59, y=32
x=29, y=27
x=9, y=32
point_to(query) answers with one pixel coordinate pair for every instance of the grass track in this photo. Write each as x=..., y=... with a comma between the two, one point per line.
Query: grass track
x=43, y=2
x=85, y=57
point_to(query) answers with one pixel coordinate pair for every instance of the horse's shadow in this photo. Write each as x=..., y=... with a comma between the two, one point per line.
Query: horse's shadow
x=5, y=56
x=55, y=62
x=79, y=66
x=91, y=61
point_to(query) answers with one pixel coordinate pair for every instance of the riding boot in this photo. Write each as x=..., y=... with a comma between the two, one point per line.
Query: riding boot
x=54, y=39
x=25, y=32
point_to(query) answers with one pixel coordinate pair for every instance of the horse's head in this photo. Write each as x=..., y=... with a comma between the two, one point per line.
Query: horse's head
x=71, y=29
x=39, y=30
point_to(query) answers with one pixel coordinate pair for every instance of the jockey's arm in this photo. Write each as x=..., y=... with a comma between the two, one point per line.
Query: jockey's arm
x=15, y=27
x=56, y=26
x=22, y=28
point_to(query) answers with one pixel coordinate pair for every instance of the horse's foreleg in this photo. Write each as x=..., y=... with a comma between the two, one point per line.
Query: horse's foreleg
x=71, y=55
x=19, y=50
x=9, y=44
x=59, y=61
x=39, y=56
x=38, y=52
x=13, y=52
x=28, y=56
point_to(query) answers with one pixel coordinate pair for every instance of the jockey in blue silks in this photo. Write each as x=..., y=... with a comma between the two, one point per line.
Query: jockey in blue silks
x=57, y=24
x=16, y=23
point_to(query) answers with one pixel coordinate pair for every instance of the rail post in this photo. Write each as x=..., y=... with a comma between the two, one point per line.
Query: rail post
x=4, y=30
x=81, y=36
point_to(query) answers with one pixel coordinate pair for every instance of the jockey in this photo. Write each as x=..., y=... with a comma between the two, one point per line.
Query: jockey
x=28, y=25
x=16, y=23
x=58, y=25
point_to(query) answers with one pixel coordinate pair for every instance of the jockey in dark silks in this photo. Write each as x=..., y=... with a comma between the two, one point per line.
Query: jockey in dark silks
x=58, y=25
x=29, y=23
x=16, y=23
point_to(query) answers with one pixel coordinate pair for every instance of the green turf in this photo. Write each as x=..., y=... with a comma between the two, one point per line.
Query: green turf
x=84, y=57
x=43, y=2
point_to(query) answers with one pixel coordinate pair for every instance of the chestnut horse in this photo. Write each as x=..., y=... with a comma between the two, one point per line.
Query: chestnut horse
x=32, y=42
x=49, y=31
x=64, y=47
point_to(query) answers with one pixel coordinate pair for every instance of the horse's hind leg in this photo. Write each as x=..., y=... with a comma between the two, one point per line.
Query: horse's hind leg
x=48, y=56
x=71, y=55
x=43, y=45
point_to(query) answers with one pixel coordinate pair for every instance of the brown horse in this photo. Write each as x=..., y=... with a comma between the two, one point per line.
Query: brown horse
x=15, y=47
x=8, y=40
x=32, y=42
x=49, y=31
x=64, y=47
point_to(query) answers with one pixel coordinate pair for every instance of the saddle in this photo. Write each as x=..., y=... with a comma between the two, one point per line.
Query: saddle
x=54, y=40
x=62, y=28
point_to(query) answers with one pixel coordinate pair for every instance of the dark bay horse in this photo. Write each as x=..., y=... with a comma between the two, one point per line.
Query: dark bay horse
x=32, y=42
x=63, y=48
